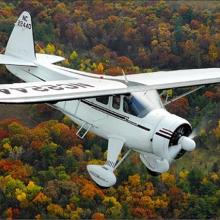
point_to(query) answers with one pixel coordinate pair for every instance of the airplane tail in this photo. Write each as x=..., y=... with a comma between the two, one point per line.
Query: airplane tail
x=20, y=47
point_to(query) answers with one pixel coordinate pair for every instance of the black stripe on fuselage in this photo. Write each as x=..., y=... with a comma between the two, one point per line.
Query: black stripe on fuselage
x=165, y=132
x=113, y=114
x=104, y=110
x=140, y=126
x=162, y=135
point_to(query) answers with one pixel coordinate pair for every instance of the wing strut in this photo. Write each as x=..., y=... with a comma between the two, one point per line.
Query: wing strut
x=181, y=96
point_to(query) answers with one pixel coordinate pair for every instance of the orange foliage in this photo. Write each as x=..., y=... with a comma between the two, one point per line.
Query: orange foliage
x=15, y=168
x=180, y=106
x=12, y=213
x=64, y=135
x=210, y=95
x=4, y=123
x=114, y=71
x=98, y=216
x=143, y=213
x=89, y=190
x=41, y=198
x=134, y=180
x=125, y=61
x=37, y=144
x=9, y=213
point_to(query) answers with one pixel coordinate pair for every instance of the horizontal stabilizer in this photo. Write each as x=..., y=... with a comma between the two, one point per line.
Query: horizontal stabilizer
x=46, y=58
x=11, y=60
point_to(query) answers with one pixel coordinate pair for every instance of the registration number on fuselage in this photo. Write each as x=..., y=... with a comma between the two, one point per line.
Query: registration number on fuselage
x=46, y=88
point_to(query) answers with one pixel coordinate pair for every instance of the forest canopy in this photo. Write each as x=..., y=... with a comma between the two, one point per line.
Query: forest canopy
x=42, y=162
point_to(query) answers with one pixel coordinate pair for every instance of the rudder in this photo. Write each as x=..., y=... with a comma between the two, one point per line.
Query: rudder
x=21, y=43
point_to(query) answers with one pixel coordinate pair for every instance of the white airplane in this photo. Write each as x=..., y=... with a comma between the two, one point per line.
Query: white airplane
x=125, y=110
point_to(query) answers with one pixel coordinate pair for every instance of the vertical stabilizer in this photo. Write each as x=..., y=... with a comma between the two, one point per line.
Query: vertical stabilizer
x=21, y=43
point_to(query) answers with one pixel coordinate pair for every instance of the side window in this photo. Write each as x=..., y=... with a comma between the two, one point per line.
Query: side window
x=103, y=99
x=127, y=106
x=116, y=101
x=132, y=105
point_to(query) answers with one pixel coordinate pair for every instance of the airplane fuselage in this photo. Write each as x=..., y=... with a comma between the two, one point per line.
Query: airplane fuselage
x=103, y=119
x=137, y=120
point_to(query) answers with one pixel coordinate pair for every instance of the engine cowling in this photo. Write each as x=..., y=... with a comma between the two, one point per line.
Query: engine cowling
x=170, y=141
x=168, y=133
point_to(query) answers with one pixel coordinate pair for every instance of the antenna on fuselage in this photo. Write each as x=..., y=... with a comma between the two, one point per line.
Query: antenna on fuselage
x=125, y=77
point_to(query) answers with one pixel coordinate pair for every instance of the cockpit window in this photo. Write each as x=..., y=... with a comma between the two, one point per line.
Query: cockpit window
x=135, y=106
x=116, y=101
x=103, y=99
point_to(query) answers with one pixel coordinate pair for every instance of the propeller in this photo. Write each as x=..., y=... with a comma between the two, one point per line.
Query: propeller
x=183, y=140
x=184, y=144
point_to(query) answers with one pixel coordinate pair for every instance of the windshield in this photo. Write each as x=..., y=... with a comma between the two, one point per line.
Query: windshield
x=138, y=104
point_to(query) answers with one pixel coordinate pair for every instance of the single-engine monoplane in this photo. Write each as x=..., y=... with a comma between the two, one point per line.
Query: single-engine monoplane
x=125, y=110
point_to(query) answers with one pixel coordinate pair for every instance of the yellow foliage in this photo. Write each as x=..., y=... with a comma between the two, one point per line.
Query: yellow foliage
x=183, y=174
x=20, y=195
x=213, y=52
x=214, y=177
x=55, y=209
x=7, y=146
x=100, y=68
x=60, y=52
x=170, y=92
x=149, y=189
x=76, y=214
x=31, y=185
x=50, y=49
x=161, y=202
x=73, y=55
x=205, y=180
x=96, y=162
x=146, y=201
x=168, y=178
x=134, y=180
x=111, y=201
x=154, y=43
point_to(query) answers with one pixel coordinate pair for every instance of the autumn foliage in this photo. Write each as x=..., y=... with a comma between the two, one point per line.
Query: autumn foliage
x=43, y=164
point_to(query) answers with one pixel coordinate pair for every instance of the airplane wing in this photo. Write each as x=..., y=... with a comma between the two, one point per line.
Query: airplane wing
x=177, y=78
x=54, y=91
